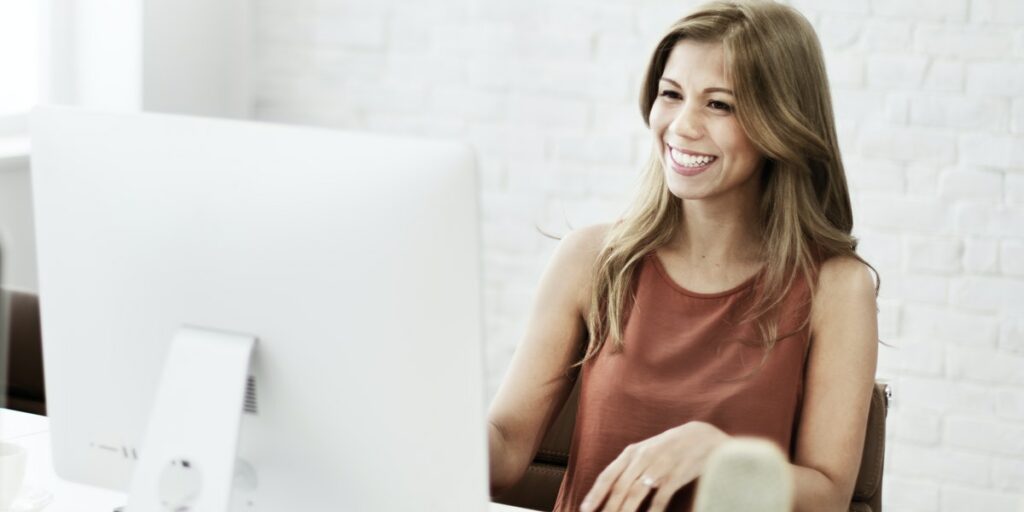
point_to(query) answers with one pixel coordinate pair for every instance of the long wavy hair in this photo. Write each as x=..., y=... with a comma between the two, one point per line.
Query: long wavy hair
x=774, y=60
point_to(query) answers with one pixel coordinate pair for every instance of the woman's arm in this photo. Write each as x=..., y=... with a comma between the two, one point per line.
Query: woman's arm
x=537, y=383
x=839, y=381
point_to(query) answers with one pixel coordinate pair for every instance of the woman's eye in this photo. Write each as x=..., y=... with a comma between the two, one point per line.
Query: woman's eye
x=718, y=105
x=669, y=94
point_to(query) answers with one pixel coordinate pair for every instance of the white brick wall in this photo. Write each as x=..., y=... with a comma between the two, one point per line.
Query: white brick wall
x=929, y=100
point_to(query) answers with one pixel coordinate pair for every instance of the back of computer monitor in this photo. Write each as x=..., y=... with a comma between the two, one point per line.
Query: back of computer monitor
x=352, y=258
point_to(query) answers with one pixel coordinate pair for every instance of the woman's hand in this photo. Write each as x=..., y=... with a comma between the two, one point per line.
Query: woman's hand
x=663, y=464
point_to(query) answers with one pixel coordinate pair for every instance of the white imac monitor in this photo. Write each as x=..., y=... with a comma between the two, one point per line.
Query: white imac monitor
x=325, y=282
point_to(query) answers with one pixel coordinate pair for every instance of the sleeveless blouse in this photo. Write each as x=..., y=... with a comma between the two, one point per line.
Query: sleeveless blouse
x=687, y=357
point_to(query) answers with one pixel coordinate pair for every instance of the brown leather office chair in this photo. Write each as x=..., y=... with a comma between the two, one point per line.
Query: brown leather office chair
x=539, y=486
x=25, y=389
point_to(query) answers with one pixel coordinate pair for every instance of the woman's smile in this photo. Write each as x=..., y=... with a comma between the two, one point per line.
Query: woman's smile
x=688, y=163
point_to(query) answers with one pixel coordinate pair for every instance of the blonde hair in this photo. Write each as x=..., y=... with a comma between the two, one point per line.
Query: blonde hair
x=774, y=61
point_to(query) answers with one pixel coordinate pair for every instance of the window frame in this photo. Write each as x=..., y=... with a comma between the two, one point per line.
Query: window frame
x=15, y=143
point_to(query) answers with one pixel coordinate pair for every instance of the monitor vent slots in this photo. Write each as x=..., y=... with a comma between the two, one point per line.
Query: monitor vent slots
x=250, y=396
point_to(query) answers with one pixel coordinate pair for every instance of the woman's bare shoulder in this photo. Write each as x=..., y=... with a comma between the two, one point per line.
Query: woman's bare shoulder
x=844, y=284
x=576, y=256
x=840, y=275
x=586, y=242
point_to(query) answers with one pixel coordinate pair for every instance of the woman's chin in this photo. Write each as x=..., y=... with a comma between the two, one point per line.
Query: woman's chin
x=684, y=190
x=688, y=193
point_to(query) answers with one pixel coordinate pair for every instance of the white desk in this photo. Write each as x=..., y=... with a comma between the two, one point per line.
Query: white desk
x=33, y=433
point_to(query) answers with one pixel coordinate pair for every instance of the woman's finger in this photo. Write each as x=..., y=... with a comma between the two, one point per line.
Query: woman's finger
x=625, y=486
x=638, y=491
x=605, y=481
x=673, y=482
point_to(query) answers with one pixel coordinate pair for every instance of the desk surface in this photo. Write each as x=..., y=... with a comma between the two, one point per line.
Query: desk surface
x=33, y=433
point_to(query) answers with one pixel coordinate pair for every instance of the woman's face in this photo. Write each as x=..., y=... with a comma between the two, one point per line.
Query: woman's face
x=704, y=151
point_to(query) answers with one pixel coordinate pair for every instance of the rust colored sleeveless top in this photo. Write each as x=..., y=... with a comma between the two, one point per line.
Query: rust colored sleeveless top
x=680, y=363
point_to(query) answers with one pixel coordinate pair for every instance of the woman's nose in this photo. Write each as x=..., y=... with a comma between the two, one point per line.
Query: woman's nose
x=686, y=123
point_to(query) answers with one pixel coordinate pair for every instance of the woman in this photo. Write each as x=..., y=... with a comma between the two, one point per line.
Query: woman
x=728, y=302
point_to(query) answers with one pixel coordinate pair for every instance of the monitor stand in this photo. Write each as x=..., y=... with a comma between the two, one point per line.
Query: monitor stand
x=188, y=452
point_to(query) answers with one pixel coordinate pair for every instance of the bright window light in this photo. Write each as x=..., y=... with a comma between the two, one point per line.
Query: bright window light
x=19, y=55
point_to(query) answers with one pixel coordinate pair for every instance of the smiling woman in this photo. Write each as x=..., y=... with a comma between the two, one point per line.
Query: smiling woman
x=685, y=110
x=728, y=302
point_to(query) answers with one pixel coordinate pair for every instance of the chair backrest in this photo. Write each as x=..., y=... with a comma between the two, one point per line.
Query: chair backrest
x=539, y=486
x=25, y=388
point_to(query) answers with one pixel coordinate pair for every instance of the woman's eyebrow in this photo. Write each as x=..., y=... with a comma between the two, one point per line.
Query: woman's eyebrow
x=709, y=89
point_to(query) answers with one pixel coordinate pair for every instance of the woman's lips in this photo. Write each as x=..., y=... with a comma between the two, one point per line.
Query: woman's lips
x=685, y=170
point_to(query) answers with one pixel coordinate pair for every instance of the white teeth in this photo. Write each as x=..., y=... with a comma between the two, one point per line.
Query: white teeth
x=690, y=160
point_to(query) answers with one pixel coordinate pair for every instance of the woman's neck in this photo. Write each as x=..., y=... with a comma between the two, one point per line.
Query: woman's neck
x=718, y=234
